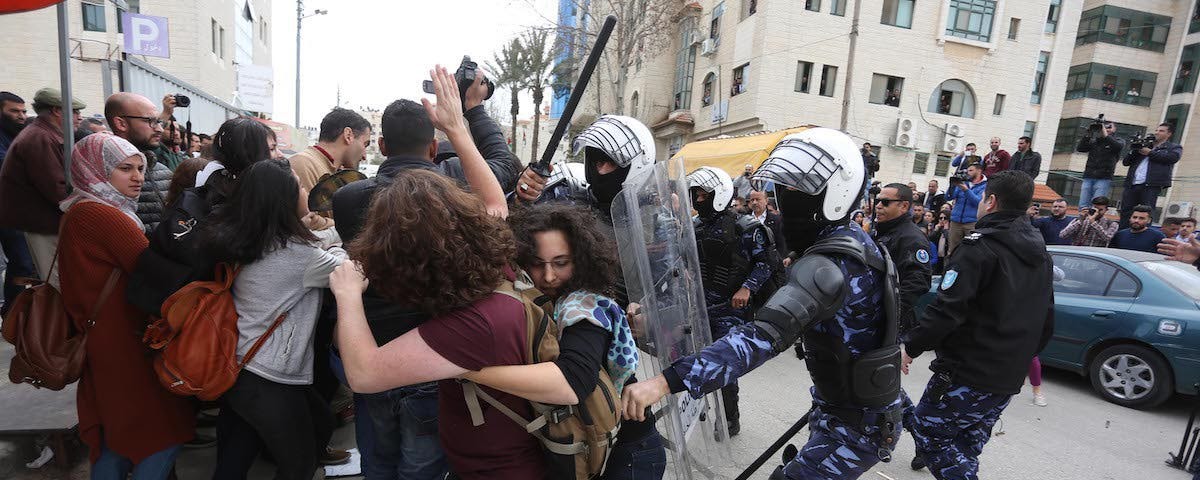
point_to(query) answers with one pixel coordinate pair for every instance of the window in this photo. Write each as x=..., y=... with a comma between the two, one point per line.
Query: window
x=998, y=107
x=1070, y=130
x=633, y=105
x=1123, y=285
x=1039, y=78
x=1082, y=276
x=1194, y=25
x=714, y=26
x=262, y=31
x=837, y=7
x=1030, y=130
x=135, y=6
x=685, y=65
x=1185, y=77
x=707, y=98
x=222, y=44
x=898, y=13
x=803, y=76
x=93, y=17
x=749, y=7
x=120, y=26
x=216, y=38
x=1052, y=16
x=920, y=163
x=1111, y=83
x=828, y=80
x=886, y=90
x=1177, y=117
x=740, y=79
x=953, y=97
x=971, y=19
x=1014, y=25
x=942, y=167
x=812, y=5
x=1122, y=26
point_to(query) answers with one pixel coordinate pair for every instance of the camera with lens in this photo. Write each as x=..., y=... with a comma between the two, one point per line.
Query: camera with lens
x=465, y=76
x=182, y=101
x=1139, y=143
x=1097, y=124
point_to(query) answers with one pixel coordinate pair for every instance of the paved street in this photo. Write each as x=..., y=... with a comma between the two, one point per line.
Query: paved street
x=1078, y=436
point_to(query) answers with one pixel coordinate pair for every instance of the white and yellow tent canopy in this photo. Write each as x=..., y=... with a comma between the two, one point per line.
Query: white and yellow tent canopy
x=734, y=153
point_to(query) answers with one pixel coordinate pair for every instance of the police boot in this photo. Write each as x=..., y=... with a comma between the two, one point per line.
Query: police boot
x=918, y=462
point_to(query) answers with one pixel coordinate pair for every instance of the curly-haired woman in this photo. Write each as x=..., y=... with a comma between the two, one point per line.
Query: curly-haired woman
x=430, y=245
x=574, y=262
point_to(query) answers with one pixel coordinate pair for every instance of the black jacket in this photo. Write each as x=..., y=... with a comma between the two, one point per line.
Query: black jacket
x=995, y=308
x=1162, y=163
x=774, y=223
x=909, y=248
x=1103, y=154
x=151, y=202
x=1029, y=162
x=489, y=139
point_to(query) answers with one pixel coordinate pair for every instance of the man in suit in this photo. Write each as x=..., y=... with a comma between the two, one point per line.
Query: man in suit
x=932, y=200
x=1149, y=172
x=758, y=208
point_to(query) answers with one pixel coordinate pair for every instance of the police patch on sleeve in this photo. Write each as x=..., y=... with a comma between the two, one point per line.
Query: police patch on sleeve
x=948, y=279
x=923, y=256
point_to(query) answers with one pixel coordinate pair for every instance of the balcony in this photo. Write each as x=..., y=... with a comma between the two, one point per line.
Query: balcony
x=1110, y=96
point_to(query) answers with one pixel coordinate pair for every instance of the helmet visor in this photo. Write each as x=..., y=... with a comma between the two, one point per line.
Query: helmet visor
x=612, y=137
x=705, y=179
x=798, y=165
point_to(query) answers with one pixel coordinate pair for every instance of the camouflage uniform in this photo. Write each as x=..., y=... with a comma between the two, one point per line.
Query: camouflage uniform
x=951, y=428
x=835, y=450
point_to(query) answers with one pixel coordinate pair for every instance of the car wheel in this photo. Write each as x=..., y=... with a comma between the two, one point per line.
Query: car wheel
x=1131, y=376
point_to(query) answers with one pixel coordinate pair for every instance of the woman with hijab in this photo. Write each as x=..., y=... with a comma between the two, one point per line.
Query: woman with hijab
x=130, y=423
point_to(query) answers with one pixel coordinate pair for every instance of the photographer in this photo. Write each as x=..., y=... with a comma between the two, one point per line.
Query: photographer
x=1103, y=149
x=1091, y=229
x=870, y=160
x=966, y=196
x=1150, y=168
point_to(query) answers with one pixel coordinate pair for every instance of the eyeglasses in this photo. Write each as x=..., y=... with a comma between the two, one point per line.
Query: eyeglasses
x=152, y=121
x=558, y=265
x=888, y=201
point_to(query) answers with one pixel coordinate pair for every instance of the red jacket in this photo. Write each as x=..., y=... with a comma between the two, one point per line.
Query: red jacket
x=32, y=181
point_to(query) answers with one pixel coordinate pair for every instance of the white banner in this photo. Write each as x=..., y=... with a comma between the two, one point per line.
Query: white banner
x=256, y=88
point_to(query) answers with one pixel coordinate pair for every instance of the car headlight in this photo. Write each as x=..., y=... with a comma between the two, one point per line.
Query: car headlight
x=1170, y=328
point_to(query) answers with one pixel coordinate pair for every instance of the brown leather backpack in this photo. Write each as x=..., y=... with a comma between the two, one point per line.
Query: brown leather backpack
x=197, y=338
x=50, y=348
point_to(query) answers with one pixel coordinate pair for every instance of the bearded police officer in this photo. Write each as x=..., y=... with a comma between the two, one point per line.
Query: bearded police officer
x=840, y=296
x=739, y=265
x=993, y=313
x=908, y=246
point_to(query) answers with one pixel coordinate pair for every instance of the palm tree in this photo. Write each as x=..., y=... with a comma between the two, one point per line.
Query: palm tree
x=508, y=68
x=537, y=65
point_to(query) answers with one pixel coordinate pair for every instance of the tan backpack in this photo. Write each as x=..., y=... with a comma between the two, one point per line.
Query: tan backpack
x=577, y=438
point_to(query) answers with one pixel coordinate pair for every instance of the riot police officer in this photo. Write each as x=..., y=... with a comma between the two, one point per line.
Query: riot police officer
x=840, y=296
x=739, y=265
x=993, y=313
x=908, y=246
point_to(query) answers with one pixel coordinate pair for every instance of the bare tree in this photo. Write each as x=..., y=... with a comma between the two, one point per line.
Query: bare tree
x=508, y=68
x=537, y=62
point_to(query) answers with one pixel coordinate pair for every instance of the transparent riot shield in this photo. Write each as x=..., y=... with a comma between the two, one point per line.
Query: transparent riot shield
x=657, y=245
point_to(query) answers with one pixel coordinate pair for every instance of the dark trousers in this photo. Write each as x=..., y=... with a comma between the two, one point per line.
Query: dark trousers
x=292, y=422
x=20, y=264
x=406, y=434
x=1138, y=195
x=637, y=458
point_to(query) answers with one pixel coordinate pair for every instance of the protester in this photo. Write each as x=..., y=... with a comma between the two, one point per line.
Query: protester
x=136, y=119
x=997, y=160
x=184, y=178
x=758, y=208
x=1171, y=227
x=1052, y=226
x=918, y=215
x=341, y=143
x=1092, y=228
x=984, y=340
x=18, y=265
x=1187, y=230
x=130, y=423
x=12, y=120
x=273, y=404
x=1139, y=235
x=939, y=236
x=193, y=149
x=1026, y=160
x=574, y=262
x=928, y=220
x=32, y=180
x=1104, y=151
x=1150, y=171
x=430, y=245
x=966, y=196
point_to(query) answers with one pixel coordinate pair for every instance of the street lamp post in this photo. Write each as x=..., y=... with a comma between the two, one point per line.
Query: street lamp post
x=300, y=16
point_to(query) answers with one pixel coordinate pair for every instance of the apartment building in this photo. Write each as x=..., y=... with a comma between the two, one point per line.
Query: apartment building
x=209, y=41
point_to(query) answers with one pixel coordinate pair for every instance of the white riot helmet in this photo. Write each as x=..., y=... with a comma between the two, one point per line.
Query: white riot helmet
x=623, y=139
x=820, y=162
x=569, y=172
x=714, y=181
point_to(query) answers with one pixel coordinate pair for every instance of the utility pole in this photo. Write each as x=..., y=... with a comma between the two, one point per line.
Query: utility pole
x=300, y=16
x=850, y=66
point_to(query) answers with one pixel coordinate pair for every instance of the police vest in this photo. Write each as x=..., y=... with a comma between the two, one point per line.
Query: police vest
x=724, y=265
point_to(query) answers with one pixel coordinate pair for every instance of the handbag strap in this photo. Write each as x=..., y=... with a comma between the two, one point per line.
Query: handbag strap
x=108, y=289
x=259, y=343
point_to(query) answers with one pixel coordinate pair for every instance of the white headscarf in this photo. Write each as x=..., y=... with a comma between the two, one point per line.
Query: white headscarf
x=92, y=162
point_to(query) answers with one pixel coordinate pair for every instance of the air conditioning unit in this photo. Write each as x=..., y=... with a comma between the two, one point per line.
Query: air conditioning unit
x=1179, y=210
x=952, y=141
x=906, y=133
x=708, y=47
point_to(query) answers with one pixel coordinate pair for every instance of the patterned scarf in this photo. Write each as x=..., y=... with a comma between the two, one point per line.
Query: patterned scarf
x=92, y=162
x=604, y=312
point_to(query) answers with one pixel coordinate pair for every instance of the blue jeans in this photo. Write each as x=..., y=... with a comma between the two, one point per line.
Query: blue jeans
x=637, y=459
x=364, y=431
x=20, y=264
x=1092, y=188
x=111, y=466
x=406, y=434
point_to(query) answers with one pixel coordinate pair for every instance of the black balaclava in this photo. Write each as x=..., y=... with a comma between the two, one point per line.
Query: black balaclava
x=704, y=208
x=10, y=126
x=603, y=187
x=802, y=220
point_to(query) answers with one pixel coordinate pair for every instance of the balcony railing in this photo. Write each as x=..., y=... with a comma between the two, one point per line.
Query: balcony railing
x=1125, y=40
x=1113, y=96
